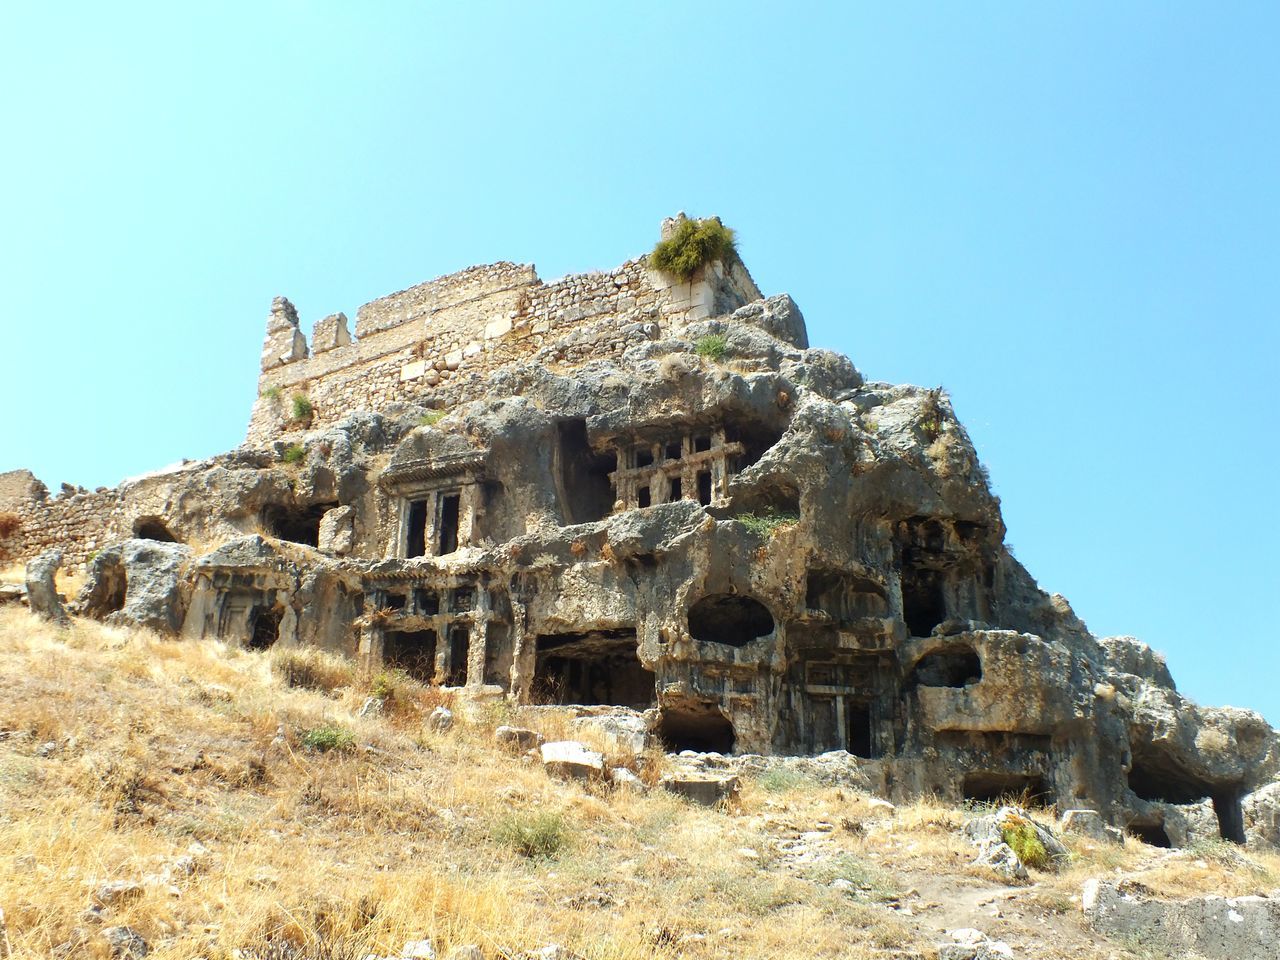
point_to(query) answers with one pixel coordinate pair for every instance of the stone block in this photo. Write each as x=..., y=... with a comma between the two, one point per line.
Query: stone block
x=570, y=760
x=413, y=370
x=330, y=333
x=707, y=791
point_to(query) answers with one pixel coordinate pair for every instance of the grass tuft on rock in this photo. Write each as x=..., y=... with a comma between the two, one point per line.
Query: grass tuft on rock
x=693, y=245
x=302, y=408
x=294, y=453
x=1021, y=837
x=763, y=524
x=713, y=346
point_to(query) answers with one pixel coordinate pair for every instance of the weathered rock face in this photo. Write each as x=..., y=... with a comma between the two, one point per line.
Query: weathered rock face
x=42, y=591
x=621, y=491
x=137, y=583
x=1234, y=928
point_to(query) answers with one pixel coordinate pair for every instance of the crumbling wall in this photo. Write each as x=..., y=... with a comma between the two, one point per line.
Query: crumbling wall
x=454, y=331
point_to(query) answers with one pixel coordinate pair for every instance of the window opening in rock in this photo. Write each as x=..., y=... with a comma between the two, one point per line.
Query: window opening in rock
x=703, y=730
x=642, y=497
x=923, y=603
x=949, y=667
x=459, y=652
x=991, y=787
x=266, y=629
x=416, y=545
x=704, y=487
x=396, y=601
x=296, y=524
x=701, y=444
x=463, y=599
x=858, y=720
x=413, y=651
x=644, y=457
x=673, y=450
x=584, y=474
x=153, y=528
x=676, y=491
x=730, y=619
x=593, y=668
x=1152, y=834
x=426, y=602
x=448, y=524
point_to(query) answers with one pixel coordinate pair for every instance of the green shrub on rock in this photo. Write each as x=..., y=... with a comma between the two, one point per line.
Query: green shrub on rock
x=693, y=245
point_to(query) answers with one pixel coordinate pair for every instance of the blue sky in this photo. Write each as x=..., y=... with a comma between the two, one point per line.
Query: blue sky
x=1066, y=214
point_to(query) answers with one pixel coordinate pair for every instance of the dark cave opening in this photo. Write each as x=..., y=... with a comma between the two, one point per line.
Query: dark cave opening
x=858, y=733
x=416, y=544
x=844, y=597
x=704, y=487
x=413, y=651
x=986, y=786
x=704, y=730
x=1152, y=834
x=1160, y=778
x=296, y=524
x=923, y=604
x=153, y=528
x=584, y=474
x=956, y=666
x=447, y=523
x=756, y=439
x=266, y=628
x=729, y=619
x=459, y=654
x=599, y=667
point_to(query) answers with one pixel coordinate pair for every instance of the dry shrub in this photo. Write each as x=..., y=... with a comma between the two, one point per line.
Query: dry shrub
x=312, y=669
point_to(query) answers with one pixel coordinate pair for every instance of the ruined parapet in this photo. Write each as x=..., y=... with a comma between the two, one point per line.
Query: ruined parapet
x=284, y=342
x=330, y=333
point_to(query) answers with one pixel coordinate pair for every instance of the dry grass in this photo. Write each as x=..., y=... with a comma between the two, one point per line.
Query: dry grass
x=158, y=744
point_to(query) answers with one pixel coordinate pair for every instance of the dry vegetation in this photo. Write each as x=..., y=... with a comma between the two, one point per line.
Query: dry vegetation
x=120, y=750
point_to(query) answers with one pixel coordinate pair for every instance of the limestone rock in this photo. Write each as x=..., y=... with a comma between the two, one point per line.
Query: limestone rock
x=519, y=739
x=137, y=583
x=569, y=759
x=1216, y=928
x=441, y=719
x=706, y=791
x=1089, y=823
x=125, y=943
x=42, y=590
x=628, y=733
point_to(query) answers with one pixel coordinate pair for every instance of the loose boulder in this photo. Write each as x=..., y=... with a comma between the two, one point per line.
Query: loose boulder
x=571, y=760
x=42, y=590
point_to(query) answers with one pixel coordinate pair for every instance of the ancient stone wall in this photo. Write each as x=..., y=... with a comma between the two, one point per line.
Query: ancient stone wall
x=411, y=344
x=77, y=523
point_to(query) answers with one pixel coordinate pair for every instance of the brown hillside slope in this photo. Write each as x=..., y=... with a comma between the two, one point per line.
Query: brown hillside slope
x=122, y=753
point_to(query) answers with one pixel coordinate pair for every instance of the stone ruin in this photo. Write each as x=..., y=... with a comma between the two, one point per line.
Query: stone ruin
x=625, y=492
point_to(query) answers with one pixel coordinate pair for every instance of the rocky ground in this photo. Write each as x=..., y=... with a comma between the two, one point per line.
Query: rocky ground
x=183, y=800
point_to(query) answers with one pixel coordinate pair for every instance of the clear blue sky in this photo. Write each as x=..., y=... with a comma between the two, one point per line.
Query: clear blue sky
x=1067, y=215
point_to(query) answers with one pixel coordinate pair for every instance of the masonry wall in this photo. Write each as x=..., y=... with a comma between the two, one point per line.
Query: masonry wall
x=79, y=524
x=437, y=338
